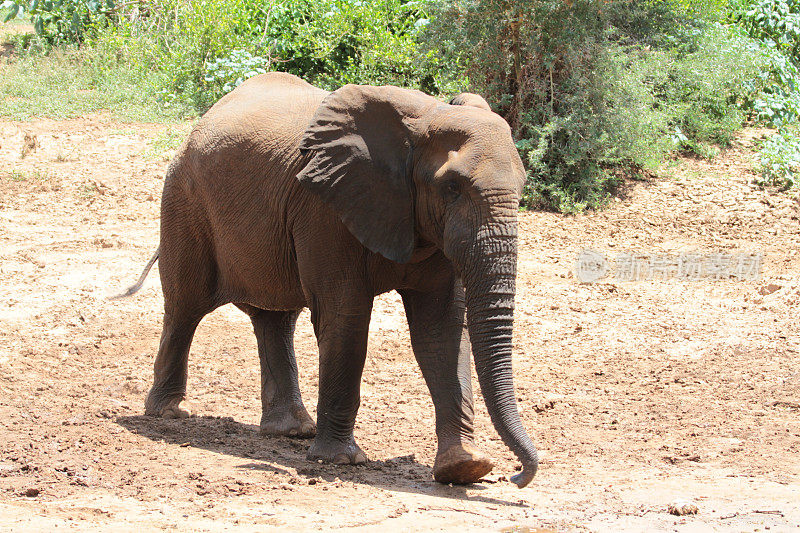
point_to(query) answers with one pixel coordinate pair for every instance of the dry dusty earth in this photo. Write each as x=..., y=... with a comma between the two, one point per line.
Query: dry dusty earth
x=637, y=393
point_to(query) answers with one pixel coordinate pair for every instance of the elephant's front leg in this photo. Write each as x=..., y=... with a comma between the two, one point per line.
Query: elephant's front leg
x=341, y=330
x=441, y=346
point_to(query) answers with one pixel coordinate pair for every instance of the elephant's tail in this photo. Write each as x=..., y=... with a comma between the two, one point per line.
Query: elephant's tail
x=133, y=289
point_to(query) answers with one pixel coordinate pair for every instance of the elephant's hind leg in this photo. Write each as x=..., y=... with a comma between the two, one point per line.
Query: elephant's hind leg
x=189, y=282
x=283, y=412
x=171, y=367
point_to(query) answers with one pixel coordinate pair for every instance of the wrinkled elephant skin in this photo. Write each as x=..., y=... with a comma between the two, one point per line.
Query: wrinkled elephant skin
x=285, y=196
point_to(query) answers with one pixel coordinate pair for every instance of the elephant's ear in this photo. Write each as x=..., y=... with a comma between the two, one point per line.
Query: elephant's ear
x=360, y=142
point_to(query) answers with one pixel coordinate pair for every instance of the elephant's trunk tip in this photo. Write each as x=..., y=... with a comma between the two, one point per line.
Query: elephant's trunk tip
x=522, y=479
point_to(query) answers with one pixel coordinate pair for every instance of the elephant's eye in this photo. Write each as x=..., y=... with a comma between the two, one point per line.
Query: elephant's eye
x=452, y=188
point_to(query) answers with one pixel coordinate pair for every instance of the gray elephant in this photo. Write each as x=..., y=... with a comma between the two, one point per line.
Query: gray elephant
x=286, y=196
x=474, y=100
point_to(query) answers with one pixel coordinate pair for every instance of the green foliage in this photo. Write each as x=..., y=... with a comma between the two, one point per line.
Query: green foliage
x=204, y=46
x=776, y=25
x=65, y=21
x=702, y=92
x=227, y=73
x=777, y=21
x=778, y=103
x=778, y=107
x=707, y=10
x=599, y=89
x=780, y=158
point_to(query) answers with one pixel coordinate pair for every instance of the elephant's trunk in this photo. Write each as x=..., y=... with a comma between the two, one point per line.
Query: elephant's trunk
x=489, y=282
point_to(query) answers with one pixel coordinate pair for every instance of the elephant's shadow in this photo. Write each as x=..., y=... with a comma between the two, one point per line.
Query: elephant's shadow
x=279, y=454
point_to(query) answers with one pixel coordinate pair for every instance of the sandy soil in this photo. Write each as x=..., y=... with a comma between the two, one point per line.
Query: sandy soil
x=638, y=393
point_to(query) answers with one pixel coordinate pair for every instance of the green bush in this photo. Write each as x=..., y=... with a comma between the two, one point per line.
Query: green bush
x=595, y=90
x=776, y=25
x=776, y=21
x=204, y=45
x=65, y=21
x=780, y=158
x=230, y=71
x=704, y=92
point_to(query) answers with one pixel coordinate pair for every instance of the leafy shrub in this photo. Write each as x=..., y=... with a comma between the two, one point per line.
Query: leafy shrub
x=230, y=71
x=780, y=159
x=595, y=90
x=704, y=92
x=776, y=24
x=777, y=21
x=65, y=21
x=204, y=45
x=778, y=107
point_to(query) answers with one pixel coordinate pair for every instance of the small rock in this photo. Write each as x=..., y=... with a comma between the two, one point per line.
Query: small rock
x=682, y=508
x=769, y=289
x=544, y=405
x=32, y=492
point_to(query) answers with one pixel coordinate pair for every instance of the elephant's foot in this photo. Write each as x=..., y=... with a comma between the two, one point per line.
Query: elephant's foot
x=461, y=464
x=165, y=408
x=340, y=453
x=288, y=421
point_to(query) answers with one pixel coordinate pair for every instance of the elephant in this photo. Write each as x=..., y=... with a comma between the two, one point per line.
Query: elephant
x=285, y=196
x=471, y=99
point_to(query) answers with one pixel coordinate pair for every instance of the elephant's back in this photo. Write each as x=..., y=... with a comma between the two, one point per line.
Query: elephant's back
x=274, y=96
x=268, y=113
x=248, y=141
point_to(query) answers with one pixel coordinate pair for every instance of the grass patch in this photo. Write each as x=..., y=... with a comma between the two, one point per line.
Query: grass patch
x=21, y=175
x=124, y=132
x=163, y=145
x=88, y=190
x=64, y=84
x=67, y=83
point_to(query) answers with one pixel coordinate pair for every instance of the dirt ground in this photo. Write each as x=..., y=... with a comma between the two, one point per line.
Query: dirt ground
x=637, y=393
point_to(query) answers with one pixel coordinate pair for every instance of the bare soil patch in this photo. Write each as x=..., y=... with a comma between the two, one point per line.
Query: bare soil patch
x=637, y=393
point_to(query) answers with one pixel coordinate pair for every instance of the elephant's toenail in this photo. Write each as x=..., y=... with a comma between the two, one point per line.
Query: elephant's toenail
x=341, y=459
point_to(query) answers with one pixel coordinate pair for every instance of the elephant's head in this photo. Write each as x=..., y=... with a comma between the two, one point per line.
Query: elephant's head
x=403, y=169
x=470, y=99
